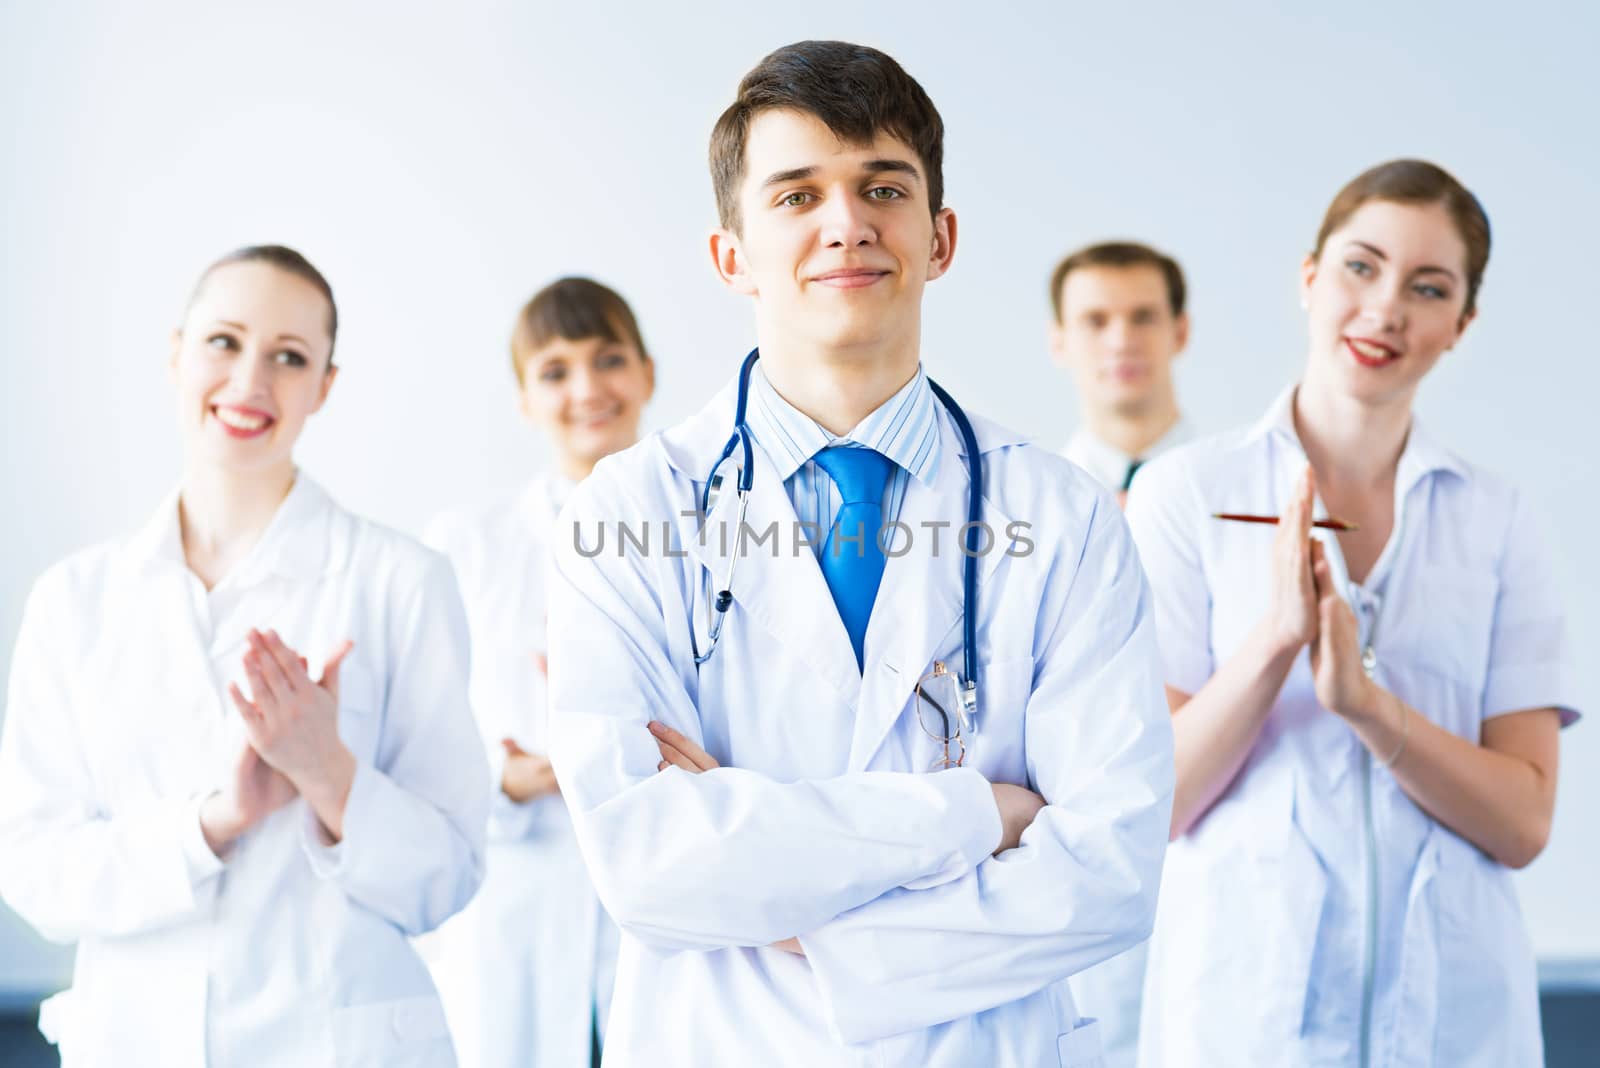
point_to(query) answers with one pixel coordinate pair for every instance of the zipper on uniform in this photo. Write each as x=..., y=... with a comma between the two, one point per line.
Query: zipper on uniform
x=1369, y=965
x=1369, y=664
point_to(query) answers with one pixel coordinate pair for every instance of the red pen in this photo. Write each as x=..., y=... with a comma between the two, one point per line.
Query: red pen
x=1325, y=524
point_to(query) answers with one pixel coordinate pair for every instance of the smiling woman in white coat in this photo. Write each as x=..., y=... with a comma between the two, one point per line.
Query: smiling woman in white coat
x=818, y=855
x=1367, y=721
x=526, y=971
x=239, y=766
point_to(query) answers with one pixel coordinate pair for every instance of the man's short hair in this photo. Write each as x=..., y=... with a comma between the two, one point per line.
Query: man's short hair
x=856, y=91
x=1120, y=254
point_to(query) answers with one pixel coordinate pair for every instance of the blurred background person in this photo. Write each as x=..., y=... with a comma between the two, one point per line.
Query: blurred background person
x=1120, y=324
x=527, y=969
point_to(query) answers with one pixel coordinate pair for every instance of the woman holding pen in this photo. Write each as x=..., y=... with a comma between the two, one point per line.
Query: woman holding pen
x=1366, y=716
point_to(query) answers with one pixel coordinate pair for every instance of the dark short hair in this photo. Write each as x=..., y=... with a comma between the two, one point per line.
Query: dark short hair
x=856, y=91
x=574, y=309
x=284, y=259
x=1120, y=254
x=1416, y=181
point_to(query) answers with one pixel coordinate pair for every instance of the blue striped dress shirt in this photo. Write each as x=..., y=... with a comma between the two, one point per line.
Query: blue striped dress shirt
x=905, y=428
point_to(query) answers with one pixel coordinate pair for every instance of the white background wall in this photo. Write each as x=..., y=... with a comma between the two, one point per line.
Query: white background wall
x=440, y=168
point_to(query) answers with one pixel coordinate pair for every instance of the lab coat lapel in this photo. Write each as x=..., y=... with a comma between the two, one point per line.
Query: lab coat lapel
x=776, y=583
x=919, y=606
x=169, y=657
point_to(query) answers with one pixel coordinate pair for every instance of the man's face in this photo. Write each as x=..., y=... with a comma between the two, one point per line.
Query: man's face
x=1118, y=335
x=836, y=241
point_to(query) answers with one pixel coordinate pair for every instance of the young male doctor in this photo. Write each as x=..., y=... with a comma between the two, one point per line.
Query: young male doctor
x=816, y=853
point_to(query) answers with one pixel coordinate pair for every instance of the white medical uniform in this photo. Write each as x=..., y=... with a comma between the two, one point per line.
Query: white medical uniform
x=289, y=950
x=1109, y=464
x=1315, y=914
x=825, y=821
x=1111, y=990
x=526, y=970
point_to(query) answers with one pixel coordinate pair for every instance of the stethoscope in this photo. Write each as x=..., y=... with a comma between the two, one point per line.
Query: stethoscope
x=717, y=606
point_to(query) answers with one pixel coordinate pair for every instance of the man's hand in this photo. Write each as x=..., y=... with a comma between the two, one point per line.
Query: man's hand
x=1018, y=806
x=679, y=751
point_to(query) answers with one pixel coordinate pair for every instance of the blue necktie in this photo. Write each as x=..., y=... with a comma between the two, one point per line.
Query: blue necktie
x=854, y=566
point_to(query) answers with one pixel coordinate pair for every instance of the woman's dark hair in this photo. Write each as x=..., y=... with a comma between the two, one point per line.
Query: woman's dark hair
x=574, y=309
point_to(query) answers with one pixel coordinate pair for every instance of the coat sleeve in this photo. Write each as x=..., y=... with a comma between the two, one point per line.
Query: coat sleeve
x=1165, y=514
x=414, y=823
x=1529, y=661
x=1082, y=886
x=454, y=535
x=729, y=857
x=67, y=866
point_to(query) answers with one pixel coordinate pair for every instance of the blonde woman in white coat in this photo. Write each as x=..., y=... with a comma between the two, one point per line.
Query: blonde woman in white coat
x=527, y=970
x=238, y=767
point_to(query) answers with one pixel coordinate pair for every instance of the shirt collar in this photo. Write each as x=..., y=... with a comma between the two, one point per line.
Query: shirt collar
x=1422, y=454
x=295, y=543
x=905, y=428
x=1109, y=464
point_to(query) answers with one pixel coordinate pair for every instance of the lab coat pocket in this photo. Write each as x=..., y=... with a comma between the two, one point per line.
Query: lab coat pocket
x=1488, y=999
x=1297, y=890
x=1080, y=1047
x=390, y=1034
x=1419, y=960
x=1452, y=637
x=360, y=710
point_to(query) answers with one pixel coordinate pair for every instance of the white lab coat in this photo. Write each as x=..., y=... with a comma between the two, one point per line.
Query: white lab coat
x=824, y=821
x=1112, y=990
x=1269, y=906
x=526, y=970
x=289, y=950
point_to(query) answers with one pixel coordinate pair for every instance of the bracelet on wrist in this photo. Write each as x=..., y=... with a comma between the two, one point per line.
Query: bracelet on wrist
x=1405, y=736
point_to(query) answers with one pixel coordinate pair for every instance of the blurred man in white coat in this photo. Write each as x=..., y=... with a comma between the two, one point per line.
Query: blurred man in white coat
x=1120, y=324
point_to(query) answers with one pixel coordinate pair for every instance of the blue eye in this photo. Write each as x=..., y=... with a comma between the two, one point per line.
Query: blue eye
x=1358, y=267
x=1431, y=292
